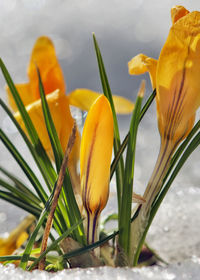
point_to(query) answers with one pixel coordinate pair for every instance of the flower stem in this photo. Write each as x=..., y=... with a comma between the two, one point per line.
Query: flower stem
x=92, y=226
x=153, y=188
x=92, y=229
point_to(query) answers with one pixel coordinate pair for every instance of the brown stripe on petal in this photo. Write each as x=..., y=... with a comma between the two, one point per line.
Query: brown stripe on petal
x=88, y=224
x=169, y=115
x=86, y=197
x=158, y=164
x=95, y=220
x=169, y=153
x=161, y=177
x=179, y=115
x=164, y=169
x=92, y=220
x=176, y=112
x=165, y=154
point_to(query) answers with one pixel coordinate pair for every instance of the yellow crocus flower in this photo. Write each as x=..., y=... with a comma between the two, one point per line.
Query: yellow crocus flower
x=44, y=56
x=176, y=79
x=16, y=238
x=95, y=159
x=175, y=75
x=58, y=104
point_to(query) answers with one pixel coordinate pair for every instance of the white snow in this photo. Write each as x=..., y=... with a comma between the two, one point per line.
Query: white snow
x=189, y=269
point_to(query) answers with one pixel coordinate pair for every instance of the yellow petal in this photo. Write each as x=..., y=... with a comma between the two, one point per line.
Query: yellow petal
x=16, y=238
x=178, y=12
x=140, y=64
x=178, y=87
x=84, y=98
x=59, y=107
x=8, y=246
x=21, y=239
x=25, y=93
x=44, y=56
x=95, y=155
x=122, y=105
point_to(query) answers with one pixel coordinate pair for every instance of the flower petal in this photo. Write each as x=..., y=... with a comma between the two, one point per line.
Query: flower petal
x=25, y=93
x=59, y=107
x=140, y=64
x=178, y=87
x=95, y=155
x=44, y=56
x=178, y=12
x=122, y=105
x=84, y=98
x=16, y=238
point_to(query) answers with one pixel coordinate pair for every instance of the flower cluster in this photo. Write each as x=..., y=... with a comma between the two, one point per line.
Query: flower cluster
x=174, y=77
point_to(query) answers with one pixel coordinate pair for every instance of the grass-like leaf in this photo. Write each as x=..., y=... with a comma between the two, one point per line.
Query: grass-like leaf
x=53, y=136
x=21, y=186
x=42, y=219
x=94, y=245
x=182, y=147
x=41, y=159
x=28, y=249
x=14, y=258
x=55, y=243
x=125, y=142
x=27, y=121
x=125, y=214
x=176, y=164
x=117, y=142
x=34, y=146
x=43, y=163
x=18, y=193
x=25, y=167
x=195, y=142
x=69, y=198
x=90, y=247
x=8, y=196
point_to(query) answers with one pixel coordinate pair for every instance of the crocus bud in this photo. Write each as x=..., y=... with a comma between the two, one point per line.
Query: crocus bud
x=95, y=159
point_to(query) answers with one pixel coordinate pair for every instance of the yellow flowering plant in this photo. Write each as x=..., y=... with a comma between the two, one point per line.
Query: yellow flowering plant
x=175, y=77
x=66, y=207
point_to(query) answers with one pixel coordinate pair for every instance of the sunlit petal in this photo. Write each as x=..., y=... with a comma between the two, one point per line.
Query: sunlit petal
x=59, y=107
x=177, y=98
x=44, y=56
x=140, y=64
x=25, y=93
x=95, y=159
x=16, y=238
x=178, y=87
x=178, y=12
x=84, y=98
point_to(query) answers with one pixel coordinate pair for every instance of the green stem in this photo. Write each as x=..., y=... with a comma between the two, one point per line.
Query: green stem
x=125, y=213
x=138, y=228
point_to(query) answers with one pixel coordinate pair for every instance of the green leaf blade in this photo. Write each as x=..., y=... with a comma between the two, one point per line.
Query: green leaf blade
x=125, y=214
x=117, y=142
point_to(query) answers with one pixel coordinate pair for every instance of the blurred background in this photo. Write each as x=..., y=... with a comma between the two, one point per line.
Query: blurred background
x=123, y=29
